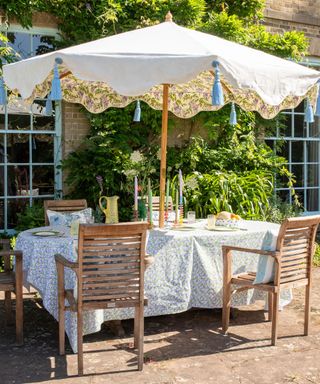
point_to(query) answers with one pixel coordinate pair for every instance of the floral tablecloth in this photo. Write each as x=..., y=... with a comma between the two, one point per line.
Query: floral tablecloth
x=187, y=270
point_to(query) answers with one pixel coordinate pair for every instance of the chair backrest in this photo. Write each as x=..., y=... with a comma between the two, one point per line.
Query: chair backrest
x=296, y=242
x=63, y=206
x=111, y=264
x=156, y=203
x=5, y=260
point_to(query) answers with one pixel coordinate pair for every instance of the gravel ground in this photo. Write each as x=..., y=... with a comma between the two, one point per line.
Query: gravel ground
x=183, y=348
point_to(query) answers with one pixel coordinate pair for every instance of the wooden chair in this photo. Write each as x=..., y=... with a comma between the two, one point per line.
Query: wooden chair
x=156, y=203
x=293, y=262
x=110, y=274
x=12, y=282
x=63, y=206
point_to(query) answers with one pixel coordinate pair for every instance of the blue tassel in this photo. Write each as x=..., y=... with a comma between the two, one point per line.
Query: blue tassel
x=318, y=101
x=3, y=93
x=308, y=113
x=137, y=112
x=233, y=115
x=49, y=105
x=217, y=91
x=56, y=93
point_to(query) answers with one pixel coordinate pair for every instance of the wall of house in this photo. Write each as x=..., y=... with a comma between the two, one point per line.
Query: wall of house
x=299, y=15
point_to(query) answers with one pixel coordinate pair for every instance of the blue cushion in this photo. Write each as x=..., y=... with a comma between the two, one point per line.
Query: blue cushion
x=266, y=264
x=66, y=218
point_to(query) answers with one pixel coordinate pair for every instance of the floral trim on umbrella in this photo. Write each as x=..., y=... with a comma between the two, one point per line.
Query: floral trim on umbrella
x=185, y=100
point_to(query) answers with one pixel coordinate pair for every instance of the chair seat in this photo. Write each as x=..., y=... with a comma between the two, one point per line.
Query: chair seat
x=247, y=279
x=7, y=281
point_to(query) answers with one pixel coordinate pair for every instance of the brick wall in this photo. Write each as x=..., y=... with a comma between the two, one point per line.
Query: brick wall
x=299, y=15
x=75, y=127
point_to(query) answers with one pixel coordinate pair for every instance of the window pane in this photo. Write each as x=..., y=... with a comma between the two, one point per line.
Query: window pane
x=314, y=128
x=42, y=149
x=300, y=107
x=287, y=123
x=299, y=126
x=283, y=149
x=313, y=151
x=1, y=180
x=18, y=180
x=2, y=118
x=297, y=151
x=1, y=213
x=297, y=170
x=19, y=122
x=300, y=195
x=43, y=179
x=42, y=44
x=43, y=123
x=284, y=196
x=18, y=148
x=313, y=178
x=313, y=200
x=21, y=42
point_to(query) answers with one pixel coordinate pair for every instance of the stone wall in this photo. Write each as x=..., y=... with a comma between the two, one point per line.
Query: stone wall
x=299, y=15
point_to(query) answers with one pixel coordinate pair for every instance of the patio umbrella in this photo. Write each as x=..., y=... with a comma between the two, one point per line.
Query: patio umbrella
x=169, y=67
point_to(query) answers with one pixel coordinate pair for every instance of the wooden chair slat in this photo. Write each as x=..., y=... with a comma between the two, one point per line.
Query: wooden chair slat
x=110, y=271
x=115, y=278
x=294, y=252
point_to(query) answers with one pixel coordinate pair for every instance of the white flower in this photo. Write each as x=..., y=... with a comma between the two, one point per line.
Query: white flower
x=159, y=154
x=130, y=172
x=191, y=182
x=152, y=170
x=136, y=157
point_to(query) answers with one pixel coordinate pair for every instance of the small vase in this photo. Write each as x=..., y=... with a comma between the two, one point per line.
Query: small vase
x=142, y=209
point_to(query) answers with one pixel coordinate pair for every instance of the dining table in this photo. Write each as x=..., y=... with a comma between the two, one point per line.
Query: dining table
x=187, y=271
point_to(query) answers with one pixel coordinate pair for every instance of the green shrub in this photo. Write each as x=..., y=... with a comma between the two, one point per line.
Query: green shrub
x=31, y=217
x=316, y=257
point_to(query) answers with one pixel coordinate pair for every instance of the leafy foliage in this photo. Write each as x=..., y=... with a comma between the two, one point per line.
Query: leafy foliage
x=31, y=217
x=230, y=162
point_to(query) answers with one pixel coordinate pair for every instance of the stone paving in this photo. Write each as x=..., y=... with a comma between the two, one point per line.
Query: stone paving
x=182, y=348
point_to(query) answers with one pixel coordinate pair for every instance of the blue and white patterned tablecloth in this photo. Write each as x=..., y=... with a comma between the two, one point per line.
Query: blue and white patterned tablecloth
x=187, y=270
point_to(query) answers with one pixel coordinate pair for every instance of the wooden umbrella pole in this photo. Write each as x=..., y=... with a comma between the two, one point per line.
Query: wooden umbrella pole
x=163, y=165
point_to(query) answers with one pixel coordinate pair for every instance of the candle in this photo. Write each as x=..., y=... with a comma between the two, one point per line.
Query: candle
x=150, y=201
x=180, y=187
x=177, y=207
x=135, y=193
x=167, y=195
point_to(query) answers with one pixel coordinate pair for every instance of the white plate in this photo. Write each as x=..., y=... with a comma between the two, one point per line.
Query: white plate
x=47, y=233
x=223, y=229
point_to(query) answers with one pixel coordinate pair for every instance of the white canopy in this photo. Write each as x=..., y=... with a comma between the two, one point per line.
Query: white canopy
x=145, y=63
x=133, y=62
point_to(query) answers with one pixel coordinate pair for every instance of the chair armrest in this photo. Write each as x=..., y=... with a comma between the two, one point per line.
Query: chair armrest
x=65, y=262
x=227, y=248
x=17, y=254
x=148, y=260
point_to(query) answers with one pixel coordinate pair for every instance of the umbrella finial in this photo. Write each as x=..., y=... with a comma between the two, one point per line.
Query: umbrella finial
x=3, y=93
x=137, y=112
x=217, y=91
x=169, y=16
x=308, y=113
x=233, y=115
x=56, y=86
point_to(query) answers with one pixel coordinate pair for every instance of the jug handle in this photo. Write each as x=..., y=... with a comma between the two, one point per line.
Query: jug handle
x=100, y=203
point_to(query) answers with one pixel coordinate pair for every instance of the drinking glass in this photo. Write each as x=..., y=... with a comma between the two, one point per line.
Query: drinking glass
x=191, y=217
x=211, y=221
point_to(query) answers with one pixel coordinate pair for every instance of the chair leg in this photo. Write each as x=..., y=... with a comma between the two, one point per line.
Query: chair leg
x=270, y=305
x=140, y=335
x=19, y=309
x=8, y=307
x=80, y=342
x=136, y=327
x=307, y=308
x=226, y=305
x=275, y=315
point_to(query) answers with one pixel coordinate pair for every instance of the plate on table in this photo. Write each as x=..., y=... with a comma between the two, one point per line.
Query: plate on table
x=47, y=233
x=183, y=228
x=221, y=228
